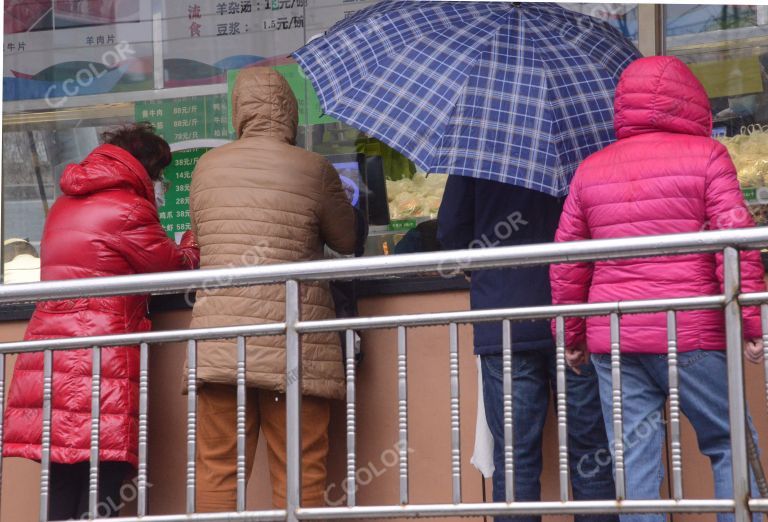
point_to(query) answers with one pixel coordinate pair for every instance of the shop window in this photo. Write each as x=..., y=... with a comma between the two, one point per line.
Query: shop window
x=73, y=69
x=726, y=46
x=621, y=16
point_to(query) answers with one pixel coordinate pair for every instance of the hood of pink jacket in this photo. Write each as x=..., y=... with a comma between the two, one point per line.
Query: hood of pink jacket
x=661, y=94
x=664, y=175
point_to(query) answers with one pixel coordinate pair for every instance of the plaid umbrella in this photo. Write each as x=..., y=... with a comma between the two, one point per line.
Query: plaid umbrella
x=517, y=93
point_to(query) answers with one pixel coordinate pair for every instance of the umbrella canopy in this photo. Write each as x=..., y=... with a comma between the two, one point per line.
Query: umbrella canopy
x=517, y=93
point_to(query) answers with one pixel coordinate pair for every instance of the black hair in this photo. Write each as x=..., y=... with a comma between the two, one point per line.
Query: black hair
x=140, y=140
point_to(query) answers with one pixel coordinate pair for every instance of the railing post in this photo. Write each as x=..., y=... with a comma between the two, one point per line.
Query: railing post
x=402, y=410
x=737, y=406
x=455, y=413
x=2, y=416
x=617, y=409
x=293, y=399
x=141, y=503
x=508, y=406
x=674, y=407
x=241, y=423
x=561, y=405
x=45, y=449
x=191, y=424
x=93, y=478
x=351, y=419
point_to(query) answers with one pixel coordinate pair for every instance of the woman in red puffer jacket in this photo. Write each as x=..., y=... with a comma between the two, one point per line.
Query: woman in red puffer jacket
x=105, y=224
x=664, y=175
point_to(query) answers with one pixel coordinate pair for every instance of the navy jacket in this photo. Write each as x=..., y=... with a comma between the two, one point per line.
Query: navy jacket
x=486, y=214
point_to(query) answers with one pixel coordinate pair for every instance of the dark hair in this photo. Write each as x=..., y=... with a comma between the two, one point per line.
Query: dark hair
x=140, y=140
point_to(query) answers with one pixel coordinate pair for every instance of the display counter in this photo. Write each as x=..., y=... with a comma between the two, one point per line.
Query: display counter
x=377, y=423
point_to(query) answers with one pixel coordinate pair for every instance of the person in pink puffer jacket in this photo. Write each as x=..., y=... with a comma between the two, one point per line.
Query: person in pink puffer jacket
x=664, y=175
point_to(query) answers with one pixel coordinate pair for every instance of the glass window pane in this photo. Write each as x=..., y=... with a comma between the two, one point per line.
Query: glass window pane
x=621, y=16
x=35, y=153
x=66, y=48
x=726, y=46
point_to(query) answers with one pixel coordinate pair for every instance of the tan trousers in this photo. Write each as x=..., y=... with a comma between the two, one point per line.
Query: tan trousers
x=216, y=489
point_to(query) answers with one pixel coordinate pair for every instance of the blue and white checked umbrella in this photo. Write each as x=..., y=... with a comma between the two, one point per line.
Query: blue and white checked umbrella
x=517, y=93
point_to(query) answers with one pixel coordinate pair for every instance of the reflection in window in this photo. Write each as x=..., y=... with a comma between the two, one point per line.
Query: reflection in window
x=33, y=161
x=689, y=19
x=727, y=48
x=622, y=16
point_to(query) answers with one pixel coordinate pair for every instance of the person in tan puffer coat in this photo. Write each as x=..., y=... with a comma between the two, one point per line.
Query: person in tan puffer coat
x=262, y=200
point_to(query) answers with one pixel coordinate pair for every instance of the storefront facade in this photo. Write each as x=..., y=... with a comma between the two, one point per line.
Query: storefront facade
x=74, y=69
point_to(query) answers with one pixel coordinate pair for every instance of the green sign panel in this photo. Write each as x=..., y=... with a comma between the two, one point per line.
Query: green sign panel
x=401, y=225
x=174, y=215
x=178, y=120
x=184, y=119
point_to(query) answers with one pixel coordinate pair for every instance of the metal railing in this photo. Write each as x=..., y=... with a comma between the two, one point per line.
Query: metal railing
x=292, y=328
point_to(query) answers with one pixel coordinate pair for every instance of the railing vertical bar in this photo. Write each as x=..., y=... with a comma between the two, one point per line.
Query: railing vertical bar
x=45, y=452
x=293, y=399
x=402, y=410
x=562, y=408
x=509, y=462
x=736, y=402
x=141, y=478
x=351, y=419
x=93, y=475
x=764, y=320
x=674, y=407
x=241, y=478
x=455, y=414
x=2, y=415
x=618, y=424
x=762, y=485
x=191, y=422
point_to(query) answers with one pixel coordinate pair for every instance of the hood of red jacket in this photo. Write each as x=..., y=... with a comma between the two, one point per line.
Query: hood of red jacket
x=661, y=94
x=107, y=167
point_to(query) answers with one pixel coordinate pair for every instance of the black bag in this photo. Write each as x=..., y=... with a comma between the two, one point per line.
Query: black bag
x=344, y=293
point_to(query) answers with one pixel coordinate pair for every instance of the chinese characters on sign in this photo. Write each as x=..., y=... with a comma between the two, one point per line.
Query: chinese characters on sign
x=101, y=39
x=184, y=119
x=15, y=47
x=203, y=39
x=179, y=120
x=174, y=215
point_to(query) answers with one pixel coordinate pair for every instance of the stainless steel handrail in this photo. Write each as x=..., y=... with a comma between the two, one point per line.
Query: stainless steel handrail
x=730, y=301
x=446, y=263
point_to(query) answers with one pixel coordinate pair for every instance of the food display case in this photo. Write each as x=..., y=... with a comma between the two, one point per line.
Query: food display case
x=385, y=185
x=749, y=151
x=726, y=46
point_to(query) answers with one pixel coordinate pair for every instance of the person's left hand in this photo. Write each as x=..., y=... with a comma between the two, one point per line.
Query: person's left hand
x=754, y=350
x=576, y=356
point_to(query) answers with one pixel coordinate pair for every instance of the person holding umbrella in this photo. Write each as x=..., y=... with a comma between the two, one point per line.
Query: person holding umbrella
x=664, y=175
x=508, y=99
x=477, y=214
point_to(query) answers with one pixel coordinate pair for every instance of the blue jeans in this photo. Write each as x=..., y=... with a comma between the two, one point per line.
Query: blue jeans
x=533, y=375
x=703, y=399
